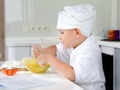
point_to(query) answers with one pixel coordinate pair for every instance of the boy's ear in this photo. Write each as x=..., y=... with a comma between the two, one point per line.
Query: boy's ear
x=77, y=30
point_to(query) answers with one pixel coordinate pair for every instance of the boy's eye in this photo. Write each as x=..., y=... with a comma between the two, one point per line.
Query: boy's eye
x=61, y=32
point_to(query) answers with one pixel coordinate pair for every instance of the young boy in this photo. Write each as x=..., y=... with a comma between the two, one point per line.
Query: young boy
x=78, y=56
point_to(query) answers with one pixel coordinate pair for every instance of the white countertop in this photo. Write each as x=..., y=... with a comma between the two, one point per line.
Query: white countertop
x=28, y=41
x=113, y=44
x=45, y=81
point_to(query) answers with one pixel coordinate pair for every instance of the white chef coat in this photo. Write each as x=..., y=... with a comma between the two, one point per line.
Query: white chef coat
x=87, y=63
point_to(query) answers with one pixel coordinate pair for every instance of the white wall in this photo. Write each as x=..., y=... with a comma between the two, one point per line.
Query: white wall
x=118, y=15
x=21, y=17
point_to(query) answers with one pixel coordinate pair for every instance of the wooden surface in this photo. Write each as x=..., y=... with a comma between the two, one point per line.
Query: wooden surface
x=2, y=38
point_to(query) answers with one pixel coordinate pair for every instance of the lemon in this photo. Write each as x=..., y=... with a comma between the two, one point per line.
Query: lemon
x=32, y=65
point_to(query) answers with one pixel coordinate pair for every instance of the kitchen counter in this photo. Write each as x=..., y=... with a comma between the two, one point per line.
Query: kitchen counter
x=28, y=41
x=26, y=80
x=113, y=44
x=18, y=45
x=108, y=47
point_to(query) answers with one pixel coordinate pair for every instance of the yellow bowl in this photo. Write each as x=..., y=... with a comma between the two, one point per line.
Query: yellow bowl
x=32, y=65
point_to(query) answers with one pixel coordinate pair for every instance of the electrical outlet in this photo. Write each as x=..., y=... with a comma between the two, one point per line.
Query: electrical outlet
x=38, y=28
x=45, y=28
x=32, y=28
x=35, y=28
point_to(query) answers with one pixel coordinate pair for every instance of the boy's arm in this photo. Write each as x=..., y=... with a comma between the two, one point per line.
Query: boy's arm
x=50, y=50
x=62, y=68
x=37, y=50
x=49, y=55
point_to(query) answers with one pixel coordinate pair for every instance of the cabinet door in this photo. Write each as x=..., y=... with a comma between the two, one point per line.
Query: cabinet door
x=117, y=69
x=108, y=70
x=18, y=52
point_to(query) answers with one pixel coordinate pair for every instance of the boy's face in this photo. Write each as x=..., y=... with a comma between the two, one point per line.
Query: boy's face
x=67, y=37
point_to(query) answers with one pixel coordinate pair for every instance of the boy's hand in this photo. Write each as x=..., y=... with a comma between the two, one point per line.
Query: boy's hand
x=36, y=50
x=44, y=58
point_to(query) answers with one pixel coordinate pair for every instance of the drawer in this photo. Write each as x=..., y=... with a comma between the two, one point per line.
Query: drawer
x=107, y=50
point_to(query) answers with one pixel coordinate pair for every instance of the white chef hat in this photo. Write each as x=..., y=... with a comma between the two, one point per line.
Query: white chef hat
x=79, y=16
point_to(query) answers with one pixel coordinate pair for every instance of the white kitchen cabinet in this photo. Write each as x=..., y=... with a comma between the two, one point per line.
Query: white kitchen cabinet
x=18, y=52
x=17, y=48
x=111, y=63
x=107, y=60
x=117, y=69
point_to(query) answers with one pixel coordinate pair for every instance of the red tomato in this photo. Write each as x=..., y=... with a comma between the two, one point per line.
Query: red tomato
x=9, y=72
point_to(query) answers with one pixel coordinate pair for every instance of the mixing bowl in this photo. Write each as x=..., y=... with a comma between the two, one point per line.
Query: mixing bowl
x=32, y=65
